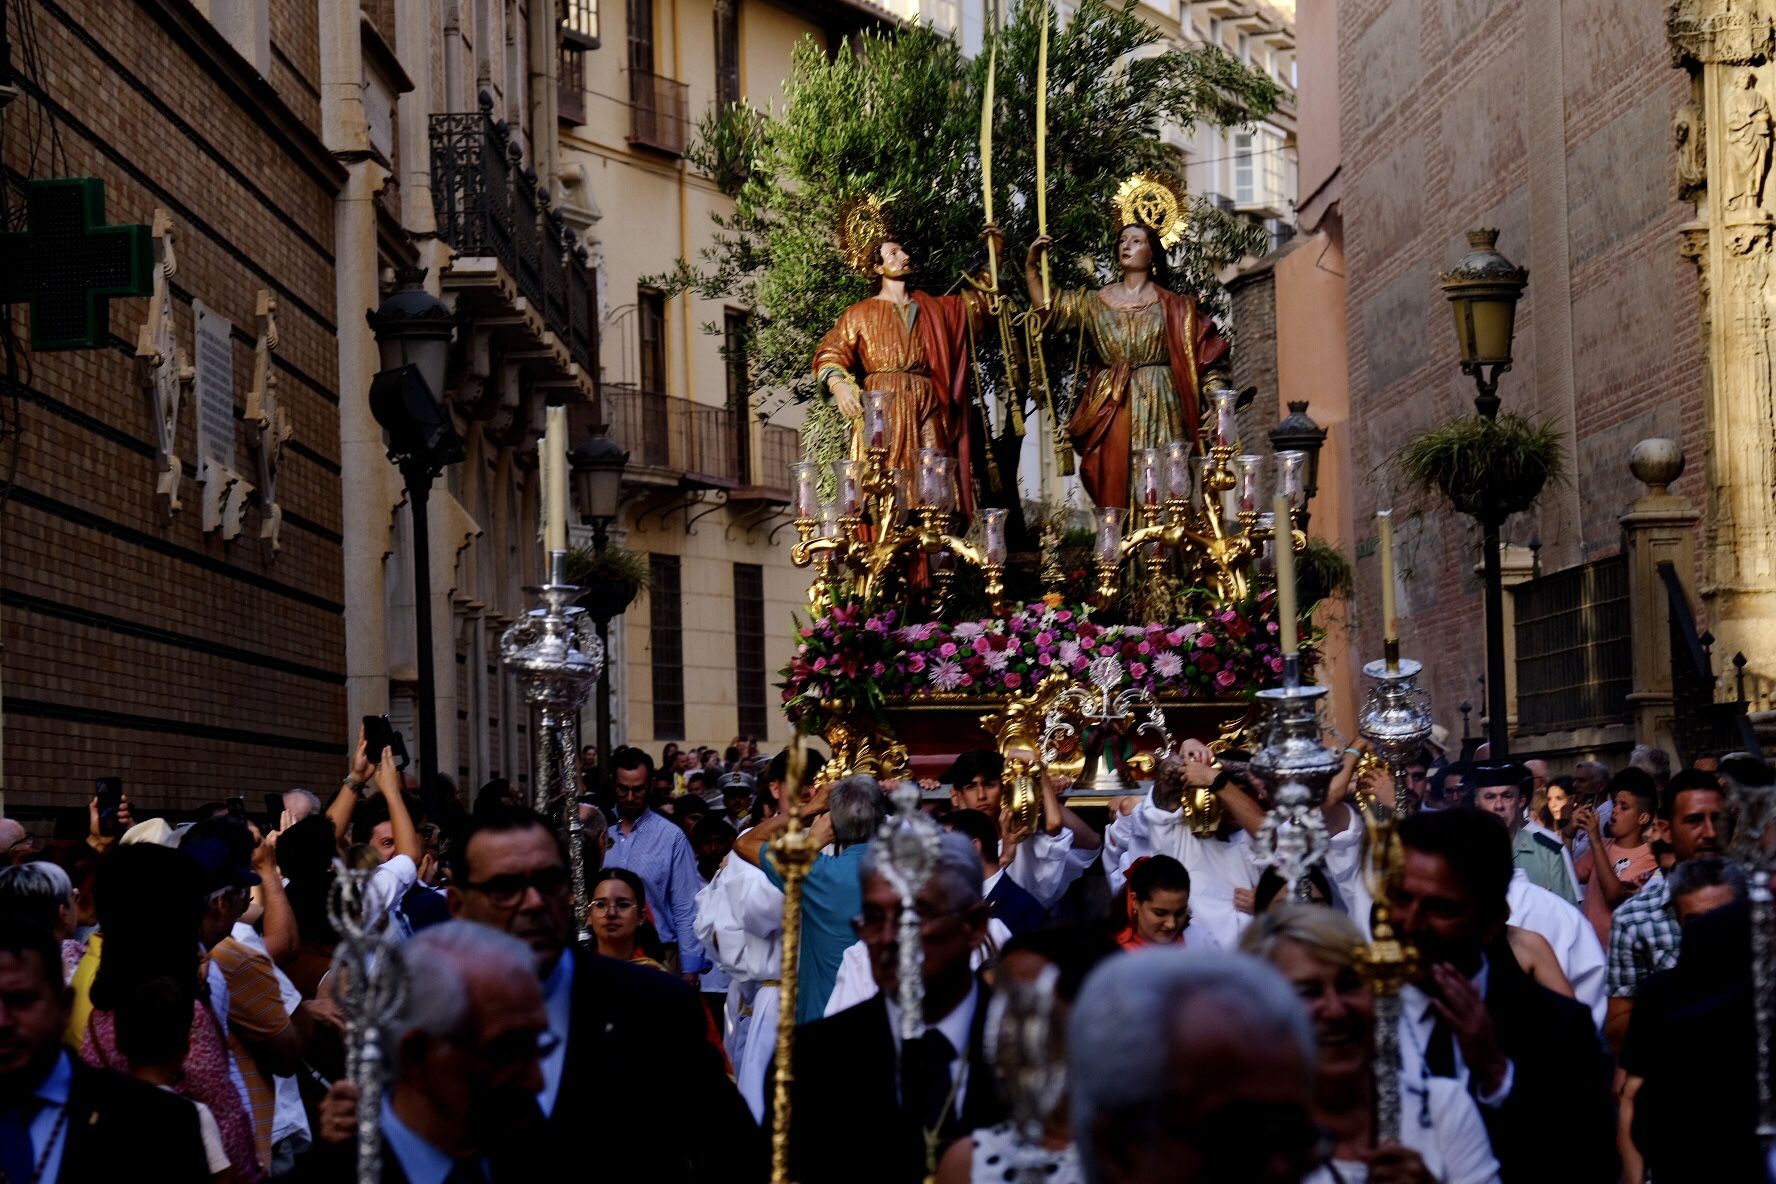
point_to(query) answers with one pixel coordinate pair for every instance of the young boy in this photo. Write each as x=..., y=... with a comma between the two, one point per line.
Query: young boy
x=1615, y=866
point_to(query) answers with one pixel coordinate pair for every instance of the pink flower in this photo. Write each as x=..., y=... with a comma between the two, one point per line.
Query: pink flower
x=982, y=645
x=1087, y=643
x=1064, y=615
x=1205, y=641
x=1145, y=648
x=947, y=676
x=947, y=649
x=878, y=670
x=1226, y=678
x=1045, y=638
x=1137, y=670
x=1275, y=664
x=1208, y=663
x=968, y=680
x=915, y=663
x=1168, y=665
x=820, y=663
x=1014, y=680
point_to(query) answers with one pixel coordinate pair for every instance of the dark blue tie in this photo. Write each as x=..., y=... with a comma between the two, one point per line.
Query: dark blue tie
x=16, y=1158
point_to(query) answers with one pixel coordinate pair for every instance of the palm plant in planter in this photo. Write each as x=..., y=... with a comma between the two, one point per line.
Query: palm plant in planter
x=1485, y=466
x=612, y=578
x=1323, y=572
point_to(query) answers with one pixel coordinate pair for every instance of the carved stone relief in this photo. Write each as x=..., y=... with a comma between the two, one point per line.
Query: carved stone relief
x=268, y=417
x=164, y=368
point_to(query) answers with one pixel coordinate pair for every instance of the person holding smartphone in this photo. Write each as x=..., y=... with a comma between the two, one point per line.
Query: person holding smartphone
x=393, y=837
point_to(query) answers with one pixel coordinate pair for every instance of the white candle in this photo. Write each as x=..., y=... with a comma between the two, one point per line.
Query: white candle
x=1390, y=624
x=1285, y=569
x=993, y=536
x=555, y=479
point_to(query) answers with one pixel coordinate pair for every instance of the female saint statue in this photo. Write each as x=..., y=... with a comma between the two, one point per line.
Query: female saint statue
x=908, y=343
x=1151, y=346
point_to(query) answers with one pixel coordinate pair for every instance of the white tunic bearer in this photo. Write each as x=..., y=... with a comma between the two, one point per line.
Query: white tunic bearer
x=740, y=923
x=1216, y=866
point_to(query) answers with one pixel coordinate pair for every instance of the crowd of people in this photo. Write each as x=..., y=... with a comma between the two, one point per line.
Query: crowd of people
x=1581, y=1006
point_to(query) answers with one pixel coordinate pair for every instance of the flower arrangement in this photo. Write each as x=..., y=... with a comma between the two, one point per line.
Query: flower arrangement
x=863, y=659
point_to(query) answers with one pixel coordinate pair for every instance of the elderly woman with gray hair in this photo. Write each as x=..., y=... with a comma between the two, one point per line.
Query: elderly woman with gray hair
x=1442, y=1137
x=42, y=892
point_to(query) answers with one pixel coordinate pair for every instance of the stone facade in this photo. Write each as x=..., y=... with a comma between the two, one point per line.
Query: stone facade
x=1552, y=122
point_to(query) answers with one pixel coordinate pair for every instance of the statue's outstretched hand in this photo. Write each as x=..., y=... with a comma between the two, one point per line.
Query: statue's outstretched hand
x=848, y=398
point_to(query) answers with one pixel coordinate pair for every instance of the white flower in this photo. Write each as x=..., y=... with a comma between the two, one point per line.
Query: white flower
x=1168, y=665
x=968, y=630
x=946, y=674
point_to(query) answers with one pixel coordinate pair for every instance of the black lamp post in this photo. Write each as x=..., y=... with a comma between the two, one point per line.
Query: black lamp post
x=1483, y=290
x=413, y=330
x=1297, y=432
x=598, y=484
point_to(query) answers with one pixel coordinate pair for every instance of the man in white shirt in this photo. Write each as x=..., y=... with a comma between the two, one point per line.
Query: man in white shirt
x=1044, y=864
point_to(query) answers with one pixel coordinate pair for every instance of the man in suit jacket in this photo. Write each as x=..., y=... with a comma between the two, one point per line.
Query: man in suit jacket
x=59, y=1118
x=868, y=1106
x=611, y=1022
x=1522, y=1051
x=1008, y=900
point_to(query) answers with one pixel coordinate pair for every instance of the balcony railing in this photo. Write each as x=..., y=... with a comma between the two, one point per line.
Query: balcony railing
x=488, y=205
x=781, y=447
x=1574, y=650
x=657, y=112
x=663, y=432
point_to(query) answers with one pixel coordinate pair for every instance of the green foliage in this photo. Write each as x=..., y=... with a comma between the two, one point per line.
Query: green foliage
x=1323, y=572
x=1485, y=465
x=586, y=566
x=898, y=115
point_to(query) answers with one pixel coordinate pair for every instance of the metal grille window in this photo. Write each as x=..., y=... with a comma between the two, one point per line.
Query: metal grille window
x=739, y=392
x=727, y=52
x=650, y=335
x=666, y=641
x=1574, y=651
x=749, y=648
x=570, y=86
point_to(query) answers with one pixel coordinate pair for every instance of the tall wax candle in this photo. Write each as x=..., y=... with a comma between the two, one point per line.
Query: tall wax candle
x=555, y=480
x=1390, y=624
x=1285, y=576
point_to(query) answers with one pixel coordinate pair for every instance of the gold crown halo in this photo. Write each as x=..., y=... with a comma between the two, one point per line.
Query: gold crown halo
x=1156, y=201
x=863, y=222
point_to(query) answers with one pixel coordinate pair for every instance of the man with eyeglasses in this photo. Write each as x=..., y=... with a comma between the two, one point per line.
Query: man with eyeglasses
x=16, y=843
x=509, y=872
x=920, y=1094
x=461, y=1105
x=659, y=851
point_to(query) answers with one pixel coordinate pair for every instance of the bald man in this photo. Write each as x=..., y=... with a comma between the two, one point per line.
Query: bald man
x=16, y=843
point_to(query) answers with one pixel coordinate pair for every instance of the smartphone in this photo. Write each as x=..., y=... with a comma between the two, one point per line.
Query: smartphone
x=109, y=791
x=274, y=809
x=380, y=735
x=237, y=807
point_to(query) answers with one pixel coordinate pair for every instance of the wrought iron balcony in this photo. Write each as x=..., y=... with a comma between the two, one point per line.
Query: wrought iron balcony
x=658, y=117
x=679, y=437
x=492, y=212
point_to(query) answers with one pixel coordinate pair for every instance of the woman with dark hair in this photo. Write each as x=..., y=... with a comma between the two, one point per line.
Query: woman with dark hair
x=1154, y=908
x=618, y=918
x=1151, y=347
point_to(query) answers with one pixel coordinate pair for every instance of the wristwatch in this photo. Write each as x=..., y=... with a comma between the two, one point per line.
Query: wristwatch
x=357, y=787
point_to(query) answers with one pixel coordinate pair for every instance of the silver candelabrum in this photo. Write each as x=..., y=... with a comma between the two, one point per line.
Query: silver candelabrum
x=906, y=848
x=557, y=659
x=1754, y=836
x=1108, y=712
x=1395, y=719
x=369, y=982
x=1299, y=769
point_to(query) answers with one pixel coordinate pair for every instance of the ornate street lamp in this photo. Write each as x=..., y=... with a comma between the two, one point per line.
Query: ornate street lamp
x=598, y=465
x=1298, y=433
x=1484, y=289
x=413, y=329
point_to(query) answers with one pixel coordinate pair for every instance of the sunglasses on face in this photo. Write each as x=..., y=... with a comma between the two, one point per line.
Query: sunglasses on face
x=507, y=891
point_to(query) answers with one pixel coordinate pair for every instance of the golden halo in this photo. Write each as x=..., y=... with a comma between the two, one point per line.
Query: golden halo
x=862, y=224
x=1156, y=201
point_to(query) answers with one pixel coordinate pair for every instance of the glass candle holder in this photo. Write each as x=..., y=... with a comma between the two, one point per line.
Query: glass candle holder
x=1109, y=548
x=1289, y=483
x=875, y=419
x=903, y=489
x=829, y=520
x=1266, y=549
x=1177, y=471
x=845, y=476
x=993, y=536
x=1246, y=469
x=936, y=480
x=807, y=488
x=1147, y=476
x=1226, y=429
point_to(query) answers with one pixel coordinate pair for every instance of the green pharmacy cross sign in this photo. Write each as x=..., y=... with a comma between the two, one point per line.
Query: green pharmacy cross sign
x=68, y=264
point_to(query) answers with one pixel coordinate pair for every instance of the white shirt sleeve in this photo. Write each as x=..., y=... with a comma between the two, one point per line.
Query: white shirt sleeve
x=1041, y=868
x=739, y=894
x=855, y=983
x=390, y=881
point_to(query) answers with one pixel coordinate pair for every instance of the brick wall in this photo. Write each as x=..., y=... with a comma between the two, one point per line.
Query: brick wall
x=1255, y=355
x=135, y=643
x=1452, y=117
